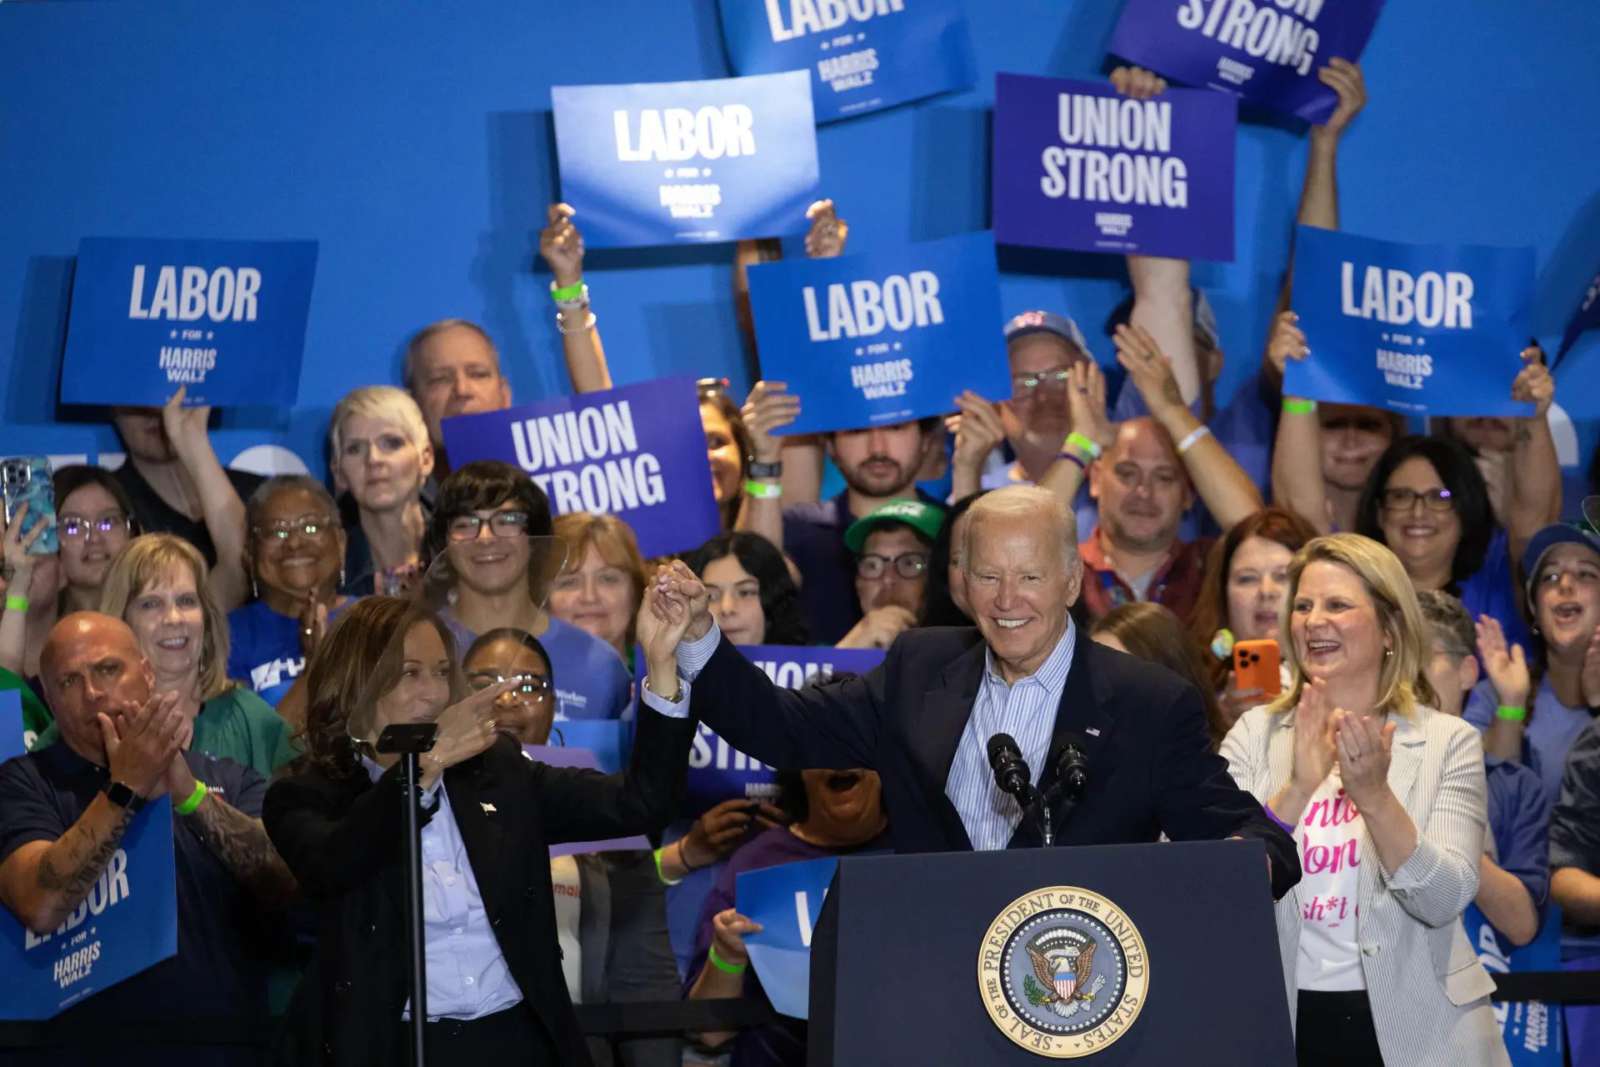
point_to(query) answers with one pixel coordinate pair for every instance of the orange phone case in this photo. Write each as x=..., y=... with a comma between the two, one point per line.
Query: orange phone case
x=1255, y=666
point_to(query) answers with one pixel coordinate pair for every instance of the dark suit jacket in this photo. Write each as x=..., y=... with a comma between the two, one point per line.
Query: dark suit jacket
x=342, y=838
x=1151, y=768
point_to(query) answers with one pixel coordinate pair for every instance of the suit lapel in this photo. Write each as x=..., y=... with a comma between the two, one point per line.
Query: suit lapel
x=473, y=795
x=1084, y=710
x=935, y=734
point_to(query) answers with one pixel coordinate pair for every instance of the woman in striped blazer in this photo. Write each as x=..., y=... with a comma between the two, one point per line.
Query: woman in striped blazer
x=1386, y=800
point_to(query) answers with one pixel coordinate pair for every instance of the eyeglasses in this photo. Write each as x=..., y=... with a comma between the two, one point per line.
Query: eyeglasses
x=312, y=526
x=1027, y=384
x=73, y=527
x=1405, y=499
x=501, y=524
x=906, y=565
x=530, y=686
x=1581, y=575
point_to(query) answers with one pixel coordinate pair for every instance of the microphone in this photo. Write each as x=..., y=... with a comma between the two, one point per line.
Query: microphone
x=1072, y=769
x=1010, y=769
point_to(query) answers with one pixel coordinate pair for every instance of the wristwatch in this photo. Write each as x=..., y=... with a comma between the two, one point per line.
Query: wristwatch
x=765, y=470
x=122, y=796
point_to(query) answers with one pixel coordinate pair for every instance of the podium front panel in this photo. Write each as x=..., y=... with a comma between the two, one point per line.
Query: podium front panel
x=938, y=955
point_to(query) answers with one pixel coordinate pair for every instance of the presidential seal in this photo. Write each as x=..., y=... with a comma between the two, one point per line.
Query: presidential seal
x=1063, y=972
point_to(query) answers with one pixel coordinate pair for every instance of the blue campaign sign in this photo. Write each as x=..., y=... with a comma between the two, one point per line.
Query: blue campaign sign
x=863, y=55
x=583, y=759
x=1587, y=317
x=717, y=770
x=12, y=741
x=1531, y=1028
x=610, y=741
x=225, y=319
x=637, y=452
x=1267, y=53
x=786, y=900
x=882, y=337
x=127, y=923
x=1418, y=329
x=1078, y=165
x=687, y=162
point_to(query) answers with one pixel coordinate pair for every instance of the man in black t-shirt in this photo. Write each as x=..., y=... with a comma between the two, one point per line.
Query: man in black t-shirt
x=63, y=811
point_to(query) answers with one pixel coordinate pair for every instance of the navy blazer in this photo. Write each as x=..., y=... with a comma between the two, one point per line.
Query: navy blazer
x=1151, y=767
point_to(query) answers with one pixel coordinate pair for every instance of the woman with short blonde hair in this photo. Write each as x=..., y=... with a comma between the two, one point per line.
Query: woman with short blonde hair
x=1385, y=798
x=380, y=457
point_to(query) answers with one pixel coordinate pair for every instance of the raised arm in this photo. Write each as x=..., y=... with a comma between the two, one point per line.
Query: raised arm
x=1535, y=468
x=42, y=882
x=1086, y=403
x=1297, y=452
x=1226, y=489
x=561, y=245
x=18, y=588
x=769, y=406
x=220, y=506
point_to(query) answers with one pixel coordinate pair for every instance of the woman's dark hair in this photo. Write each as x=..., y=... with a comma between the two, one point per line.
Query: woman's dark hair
x=359, y=660
x=1153, y=633
x=483, y=485
x=1469, y=496
x=938, y=609
x=792, y=798
x=1210, y=612
x=69, y=479
x=725, y=406
x=780, y=600
x=517, y=637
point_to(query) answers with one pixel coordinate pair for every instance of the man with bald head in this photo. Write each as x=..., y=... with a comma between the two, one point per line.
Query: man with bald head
x=63, y=813
x=923, y=719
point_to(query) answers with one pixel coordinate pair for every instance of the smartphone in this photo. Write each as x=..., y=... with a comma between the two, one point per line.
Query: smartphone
x=1255, y=666
x=26, y=480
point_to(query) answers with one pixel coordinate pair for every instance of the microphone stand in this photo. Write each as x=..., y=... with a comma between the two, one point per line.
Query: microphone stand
x=409, y=741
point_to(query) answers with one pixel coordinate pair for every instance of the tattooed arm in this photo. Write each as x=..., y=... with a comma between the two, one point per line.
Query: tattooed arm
x=43, y=881
x=237, y=839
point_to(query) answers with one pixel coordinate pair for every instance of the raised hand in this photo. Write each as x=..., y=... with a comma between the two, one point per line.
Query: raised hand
x=828, y=232
x=1314, y=753
x=978, y=430
x=18, y=560
x=141, y=743
x=1086, y=403
x=1506, y=667
x=1287, y=341
x=1364, y=746
x=680, y=589
x=185, y=427
x=1137, y=82
x=466, y=728
x=1149, y=368
x=1344, y=78
x=769, y=406
x=1533, y=383
x=561, y=245
x=719, y=831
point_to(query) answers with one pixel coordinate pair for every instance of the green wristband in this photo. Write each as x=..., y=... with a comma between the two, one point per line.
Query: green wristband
x=567, y=293
x=723, y=965
x=660, y=875
x=763, y=490
x=1295, y=406
x=1084, y=444
x=188, y=806
x=1511, y=713
x=17, y=602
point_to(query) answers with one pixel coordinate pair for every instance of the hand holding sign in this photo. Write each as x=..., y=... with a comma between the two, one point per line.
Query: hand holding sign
x=1534, y=384
x=1286, y=341
x=1345, y=79
x=728, y=930
x=828, y=232
x=1138, y=83
x=769, y=406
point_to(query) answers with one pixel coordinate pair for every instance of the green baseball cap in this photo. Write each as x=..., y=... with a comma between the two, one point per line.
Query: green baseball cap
x=923, y=518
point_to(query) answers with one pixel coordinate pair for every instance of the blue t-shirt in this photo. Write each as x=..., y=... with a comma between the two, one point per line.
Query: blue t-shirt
x=591, y=680
x=1519, y=814
x=1552, y=728
x=1489, y=591
x=264, y=650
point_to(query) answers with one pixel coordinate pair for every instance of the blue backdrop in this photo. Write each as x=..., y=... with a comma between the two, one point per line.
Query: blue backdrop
x=413, y=142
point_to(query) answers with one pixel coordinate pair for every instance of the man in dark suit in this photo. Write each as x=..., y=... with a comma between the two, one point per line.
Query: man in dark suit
x=923, y=718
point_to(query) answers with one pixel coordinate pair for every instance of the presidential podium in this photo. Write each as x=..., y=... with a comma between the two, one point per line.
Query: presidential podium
x=1158, y=954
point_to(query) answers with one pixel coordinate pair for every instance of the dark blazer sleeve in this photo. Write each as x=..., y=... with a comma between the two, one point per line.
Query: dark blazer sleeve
x=580, y=805
x=335, y=836
x=835, y=724
x=1196, y=798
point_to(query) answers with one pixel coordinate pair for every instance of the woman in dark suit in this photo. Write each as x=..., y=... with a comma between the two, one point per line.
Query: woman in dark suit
x=494, y=983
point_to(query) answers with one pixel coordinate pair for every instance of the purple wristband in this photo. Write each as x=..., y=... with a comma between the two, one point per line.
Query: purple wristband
x=1285, y=827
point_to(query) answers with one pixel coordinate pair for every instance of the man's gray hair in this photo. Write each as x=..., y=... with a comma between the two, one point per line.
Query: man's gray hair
x=434, y=329
x=1022, y=501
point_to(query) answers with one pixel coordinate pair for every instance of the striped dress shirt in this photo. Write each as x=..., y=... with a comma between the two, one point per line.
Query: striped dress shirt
x=1026, y=711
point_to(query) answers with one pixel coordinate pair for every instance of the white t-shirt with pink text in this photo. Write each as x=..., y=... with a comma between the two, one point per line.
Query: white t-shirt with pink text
x=1329, y=837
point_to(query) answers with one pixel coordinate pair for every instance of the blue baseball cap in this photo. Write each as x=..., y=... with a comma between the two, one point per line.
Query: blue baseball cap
x=1047, y=322
x=1548, y=538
